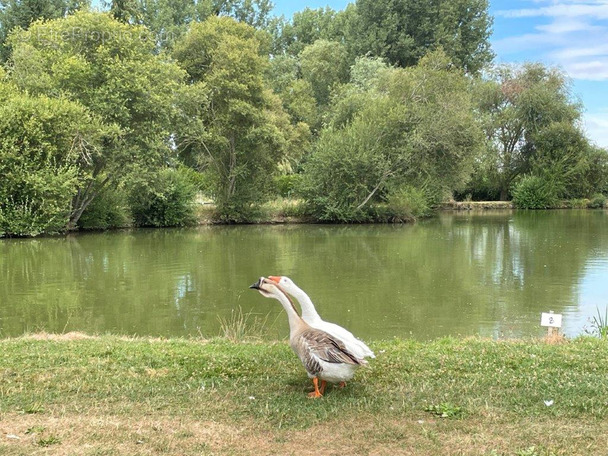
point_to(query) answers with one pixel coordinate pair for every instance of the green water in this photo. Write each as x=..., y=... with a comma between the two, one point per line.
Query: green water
x=488, y=274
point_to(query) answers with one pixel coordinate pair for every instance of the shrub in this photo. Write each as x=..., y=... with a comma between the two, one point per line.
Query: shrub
x=286, y=184
x=408, y=203
x=39, y=162
x=109, y=209
x=167, y=199
x=598, y=201
x=577, y=203
x=533, y=192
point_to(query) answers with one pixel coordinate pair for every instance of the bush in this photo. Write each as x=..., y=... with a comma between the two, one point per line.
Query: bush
x=39, y=163
x=598, y=201
x=577, y=203
x=109, y=209
x=534, y=192
x=408, y=203
x=286, y=184
x=167, y=199
x=31, y=217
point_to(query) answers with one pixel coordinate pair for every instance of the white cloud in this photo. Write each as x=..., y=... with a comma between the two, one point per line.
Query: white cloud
x=561, y=26
x=575, y=38
x=593, y=70
x=596, y=126
x=583, y=51
x=598, y=10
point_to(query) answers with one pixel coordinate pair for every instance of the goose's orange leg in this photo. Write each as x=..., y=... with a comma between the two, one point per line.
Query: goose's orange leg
x=316, y=393
x=342, y=384
x=322, y=389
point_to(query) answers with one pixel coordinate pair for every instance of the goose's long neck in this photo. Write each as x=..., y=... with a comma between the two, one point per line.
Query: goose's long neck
x=309, y=313
x=295, y=322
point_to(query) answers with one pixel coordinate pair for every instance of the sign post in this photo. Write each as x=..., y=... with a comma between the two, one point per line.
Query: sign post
x=552, y=321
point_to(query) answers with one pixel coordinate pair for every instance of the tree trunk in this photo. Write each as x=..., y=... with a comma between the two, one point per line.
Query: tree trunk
x=504, y=194
x=82, y=200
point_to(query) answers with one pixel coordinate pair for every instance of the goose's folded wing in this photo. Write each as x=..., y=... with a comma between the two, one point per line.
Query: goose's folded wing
x=321, y=345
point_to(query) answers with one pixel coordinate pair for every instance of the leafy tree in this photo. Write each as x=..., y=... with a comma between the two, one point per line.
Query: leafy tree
x=21, y=13
x=252, y=12
x=324, y=65
x=232, y=127
x=125, y=11
x=110, y=68
x=402, y=31
x=518, y=107
x=560, y=157
x=596, y=175
x=415, y=128
x=43, y=144
x=168, y=20
x=366, y=71
x=284, y=76
x=306, y=27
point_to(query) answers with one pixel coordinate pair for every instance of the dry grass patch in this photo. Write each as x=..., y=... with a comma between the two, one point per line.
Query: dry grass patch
x=366, y=435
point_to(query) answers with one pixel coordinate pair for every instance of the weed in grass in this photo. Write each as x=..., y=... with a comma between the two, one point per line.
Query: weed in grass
x=534, y=451
x=48, y=441
x=36, y=407
x=446, y=410
x=242, y=326
x=35, y=430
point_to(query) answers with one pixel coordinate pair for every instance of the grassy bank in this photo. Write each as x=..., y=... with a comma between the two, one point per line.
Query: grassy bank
x=110, y=395
x=288, y=210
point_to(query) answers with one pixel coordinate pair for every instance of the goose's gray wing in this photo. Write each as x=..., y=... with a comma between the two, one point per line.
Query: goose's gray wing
x=313, y=345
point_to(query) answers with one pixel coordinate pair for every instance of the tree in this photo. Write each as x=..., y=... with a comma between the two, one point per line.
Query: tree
x=414, y=129
x=124, y=11
x=233, y=127
x=304, y=28
x=403, y=31
x=168, y=20
x=519, y=108
x=324, y=64
x=21, y=13
x=110, y=68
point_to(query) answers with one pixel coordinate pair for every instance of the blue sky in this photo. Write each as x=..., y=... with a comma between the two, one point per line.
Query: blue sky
x=569, y=34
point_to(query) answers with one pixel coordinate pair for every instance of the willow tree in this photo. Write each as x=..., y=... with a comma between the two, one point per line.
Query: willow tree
x=413, y=129
x=529, y=115
x=111, y=69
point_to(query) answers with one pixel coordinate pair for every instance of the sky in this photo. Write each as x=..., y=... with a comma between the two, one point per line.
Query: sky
x=569, y=34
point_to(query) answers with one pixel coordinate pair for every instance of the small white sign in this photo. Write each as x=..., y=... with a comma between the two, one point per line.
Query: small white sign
x=550, y=319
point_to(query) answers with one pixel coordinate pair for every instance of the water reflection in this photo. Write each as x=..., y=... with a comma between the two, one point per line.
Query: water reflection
x=489, y=274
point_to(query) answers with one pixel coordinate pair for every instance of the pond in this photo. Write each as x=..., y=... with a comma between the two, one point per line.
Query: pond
x=483, y=273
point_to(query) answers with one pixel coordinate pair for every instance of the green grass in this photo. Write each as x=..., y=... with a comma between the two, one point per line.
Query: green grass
x=112, y=395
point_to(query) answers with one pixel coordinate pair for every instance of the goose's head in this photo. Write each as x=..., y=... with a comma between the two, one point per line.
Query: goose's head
x=267, y=288
x=270, y=289
x=285, y=283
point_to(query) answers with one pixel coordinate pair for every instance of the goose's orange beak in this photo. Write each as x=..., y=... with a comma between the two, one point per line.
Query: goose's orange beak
x=276, y=279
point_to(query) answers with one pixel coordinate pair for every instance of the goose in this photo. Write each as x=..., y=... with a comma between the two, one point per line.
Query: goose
x=324, y=357
x=309, y=314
